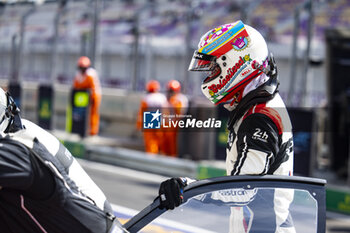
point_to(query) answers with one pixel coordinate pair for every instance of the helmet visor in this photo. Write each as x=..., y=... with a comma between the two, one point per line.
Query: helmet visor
x=202, y=62
x=215, y=72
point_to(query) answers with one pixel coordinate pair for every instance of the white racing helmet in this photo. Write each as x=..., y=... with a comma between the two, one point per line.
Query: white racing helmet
x=234, y=54
x=7, y=110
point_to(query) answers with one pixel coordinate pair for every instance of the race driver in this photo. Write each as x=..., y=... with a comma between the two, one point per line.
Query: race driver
x=42, y=186
x=243, y=78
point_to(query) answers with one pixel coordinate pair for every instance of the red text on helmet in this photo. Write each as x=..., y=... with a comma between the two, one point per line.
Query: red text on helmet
x=214, y=88
x=244, y=73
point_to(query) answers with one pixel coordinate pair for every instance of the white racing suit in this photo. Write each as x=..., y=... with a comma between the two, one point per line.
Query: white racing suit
x=44, y=189
x=261, y=142
x=81, y=179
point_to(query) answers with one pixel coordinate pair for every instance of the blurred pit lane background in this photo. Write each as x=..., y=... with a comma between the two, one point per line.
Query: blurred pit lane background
x=133, y=41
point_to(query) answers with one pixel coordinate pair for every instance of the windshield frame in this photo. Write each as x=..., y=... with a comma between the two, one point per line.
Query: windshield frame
x=316, y=188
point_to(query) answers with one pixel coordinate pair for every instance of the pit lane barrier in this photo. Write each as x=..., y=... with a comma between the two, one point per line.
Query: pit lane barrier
x=337, y=197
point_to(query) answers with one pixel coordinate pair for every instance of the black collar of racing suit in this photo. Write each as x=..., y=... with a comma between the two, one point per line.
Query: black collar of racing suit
x=13, y=113
x=262, y=94
x=15, y=124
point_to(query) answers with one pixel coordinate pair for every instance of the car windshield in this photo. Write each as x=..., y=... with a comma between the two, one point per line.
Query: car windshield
x=241, y=210
x=253, y=204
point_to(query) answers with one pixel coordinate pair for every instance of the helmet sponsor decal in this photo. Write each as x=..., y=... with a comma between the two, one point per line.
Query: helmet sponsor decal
x=222, y=39
x=240, y=43
x=247, y=71
x=203, y=56
x=198, y=55
x=215, y=90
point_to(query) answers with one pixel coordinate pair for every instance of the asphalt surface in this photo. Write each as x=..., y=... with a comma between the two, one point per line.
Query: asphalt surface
x=136, y=190
x=122, y=186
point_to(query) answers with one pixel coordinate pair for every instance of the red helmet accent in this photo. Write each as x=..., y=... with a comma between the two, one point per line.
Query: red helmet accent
x=153, y=86
x=174, y=85
x=84, y=62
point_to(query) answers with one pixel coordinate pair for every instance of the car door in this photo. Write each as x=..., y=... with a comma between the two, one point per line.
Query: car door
x=240, y=204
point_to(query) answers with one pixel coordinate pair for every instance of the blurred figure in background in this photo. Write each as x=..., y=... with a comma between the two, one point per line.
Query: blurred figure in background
x=152, y=101
x=177, y=105
x=87, y=78
x=176, y=99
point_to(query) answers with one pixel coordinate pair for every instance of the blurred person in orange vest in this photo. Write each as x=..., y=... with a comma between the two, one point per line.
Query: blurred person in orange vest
x=177, y=106
x=152, y=101
x=87, y=78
